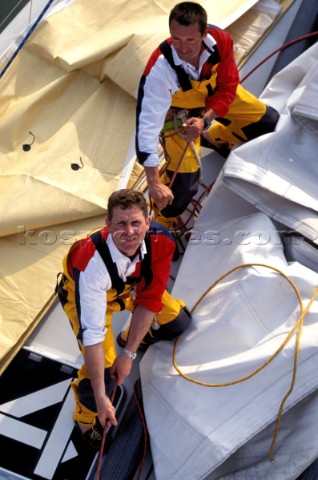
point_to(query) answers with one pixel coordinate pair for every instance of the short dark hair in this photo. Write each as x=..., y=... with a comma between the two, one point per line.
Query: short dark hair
x=126, y=198
x=188, y=13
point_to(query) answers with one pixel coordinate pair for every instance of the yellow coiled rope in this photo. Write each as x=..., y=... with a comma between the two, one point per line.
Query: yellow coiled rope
x=298, y=324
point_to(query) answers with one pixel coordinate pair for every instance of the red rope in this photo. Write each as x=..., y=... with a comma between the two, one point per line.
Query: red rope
x=178, y=166
x=196, y=204
x=102, y=446
x=144, y=427
x=288, y=44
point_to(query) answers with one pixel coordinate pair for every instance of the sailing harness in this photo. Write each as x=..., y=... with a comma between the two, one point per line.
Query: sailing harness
x=179, y=115
x=176, y=117
x=183, y=77
x=117, y=283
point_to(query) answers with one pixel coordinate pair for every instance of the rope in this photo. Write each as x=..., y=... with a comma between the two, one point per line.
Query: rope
x=280, y=411
x=178, y=166
x=145, y=431
x=286, y=45
x=180, y=224
x=102, y=446
x=31, y=30
x=166, y=135
x=298, y=324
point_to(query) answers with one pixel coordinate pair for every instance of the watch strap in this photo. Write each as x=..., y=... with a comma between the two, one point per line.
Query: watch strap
x=130, y=354
x=207, y=122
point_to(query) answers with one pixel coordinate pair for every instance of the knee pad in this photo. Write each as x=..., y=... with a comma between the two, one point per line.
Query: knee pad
x=183, y=319
x=266, y=124
x=85, y=406
x=83, y=415
x=173, y=329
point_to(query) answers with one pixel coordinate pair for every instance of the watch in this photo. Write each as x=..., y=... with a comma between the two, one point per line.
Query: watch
x=207, y=122
x=130, y=354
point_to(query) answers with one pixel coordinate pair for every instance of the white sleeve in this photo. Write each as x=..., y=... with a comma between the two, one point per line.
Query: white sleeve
x=154, y=101
x=92, y=297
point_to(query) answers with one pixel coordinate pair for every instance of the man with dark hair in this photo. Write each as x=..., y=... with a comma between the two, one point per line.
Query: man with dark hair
x=123, y=266
x=189, y=91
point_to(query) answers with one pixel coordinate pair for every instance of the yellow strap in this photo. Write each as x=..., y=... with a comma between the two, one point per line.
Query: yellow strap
x=298, y=325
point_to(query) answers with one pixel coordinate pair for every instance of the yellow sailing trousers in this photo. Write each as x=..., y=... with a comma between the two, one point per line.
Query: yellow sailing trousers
x=172, y=321
x=247, y=118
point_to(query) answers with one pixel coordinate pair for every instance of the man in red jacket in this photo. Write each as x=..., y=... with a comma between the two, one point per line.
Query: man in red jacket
x=123, y=266
x=190, y=89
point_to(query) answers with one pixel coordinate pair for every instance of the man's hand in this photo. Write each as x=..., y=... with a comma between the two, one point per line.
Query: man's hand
x=193, y=128
x=121, y=368
x=140, y=323
x=106, y=411
x=95, y=364
x=161, y=194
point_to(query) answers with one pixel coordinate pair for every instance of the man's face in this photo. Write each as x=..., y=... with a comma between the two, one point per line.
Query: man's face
x=128, y=228
x=187, y=41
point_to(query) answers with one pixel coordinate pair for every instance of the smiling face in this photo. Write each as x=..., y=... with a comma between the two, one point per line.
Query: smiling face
x=187, y=40
x=128, y=228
